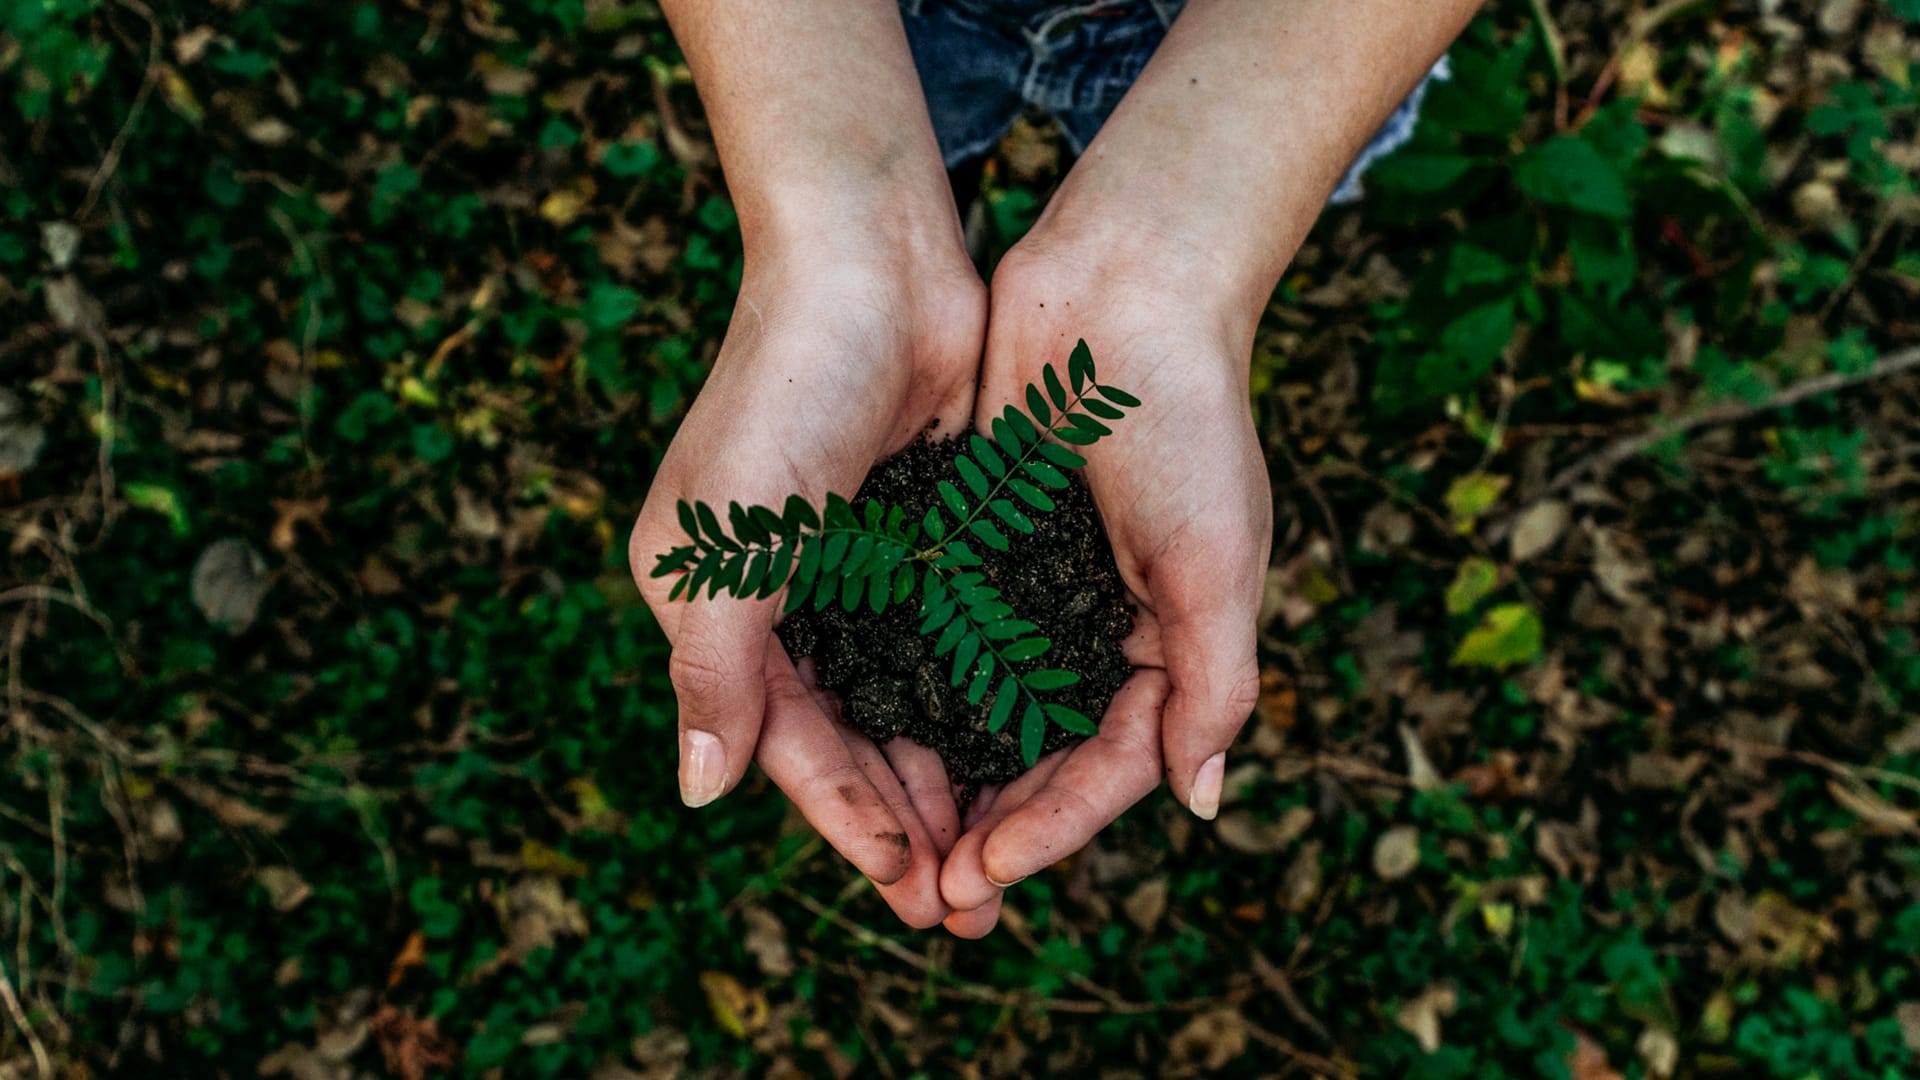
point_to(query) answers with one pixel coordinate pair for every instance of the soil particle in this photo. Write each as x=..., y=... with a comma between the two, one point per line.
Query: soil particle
x=1062, y=578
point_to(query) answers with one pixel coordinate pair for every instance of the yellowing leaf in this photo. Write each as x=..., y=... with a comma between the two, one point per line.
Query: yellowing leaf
x=740, y=1012
x=1498, y=919
x=564, y=205
x=179, y=96
x=1476, y=579
x=1509, y=634
x=1471, y=496
x=541, y=859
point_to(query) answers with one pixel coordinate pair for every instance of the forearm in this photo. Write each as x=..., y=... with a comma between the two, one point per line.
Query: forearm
x=819, y=118
x=1228, y=145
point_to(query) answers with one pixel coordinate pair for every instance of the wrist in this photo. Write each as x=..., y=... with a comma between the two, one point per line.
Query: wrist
x=1156, y=240
x=1140, y=272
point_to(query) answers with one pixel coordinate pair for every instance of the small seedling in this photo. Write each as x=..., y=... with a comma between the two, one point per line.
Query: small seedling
x=872, y=556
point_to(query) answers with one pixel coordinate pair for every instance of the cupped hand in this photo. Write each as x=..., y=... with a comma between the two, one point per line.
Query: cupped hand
x=831, y=363
x=1181, y=486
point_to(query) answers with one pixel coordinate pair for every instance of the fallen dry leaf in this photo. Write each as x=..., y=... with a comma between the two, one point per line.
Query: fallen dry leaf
x=1588, y=1061
x=411, y=1046
x=1397, y=852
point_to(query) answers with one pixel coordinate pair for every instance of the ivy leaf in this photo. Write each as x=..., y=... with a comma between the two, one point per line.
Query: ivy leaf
x=1507, y=635
x=1569, y=171
x=1471, y=496
x=1473, y=582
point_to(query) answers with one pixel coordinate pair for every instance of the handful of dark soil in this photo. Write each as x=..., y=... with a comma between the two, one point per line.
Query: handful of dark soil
x=1062, y=578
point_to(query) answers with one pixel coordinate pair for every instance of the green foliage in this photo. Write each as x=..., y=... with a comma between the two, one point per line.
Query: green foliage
x=872, y=557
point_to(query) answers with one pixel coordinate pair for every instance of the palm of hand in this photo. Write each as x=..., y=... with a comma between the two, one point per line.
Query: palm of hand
x=1184, y=495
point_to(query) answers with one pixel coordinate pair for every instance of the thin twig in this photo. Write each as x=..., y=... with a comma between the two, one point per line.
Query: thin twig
x=1306, y=479
x=1326, y=1067
x=1624, y=449
x=111, y=161
x=12, y=1001
x=1856, y=773
x=956, y=987
x=1556, y=58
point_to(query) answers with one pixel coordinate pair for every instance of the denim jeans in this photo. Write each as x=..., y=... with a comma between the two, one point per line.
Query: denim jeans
x=984, y=62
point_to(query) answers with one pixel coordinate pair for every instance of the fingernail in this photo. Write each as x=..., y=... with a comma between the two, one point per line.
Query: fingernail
x=1204, y=800
x=703, y=767
x=1005, y=884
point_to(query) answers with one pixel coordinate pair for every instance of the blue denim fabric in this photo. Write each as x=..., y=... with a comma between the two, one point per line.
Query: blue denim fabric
x=984, y=62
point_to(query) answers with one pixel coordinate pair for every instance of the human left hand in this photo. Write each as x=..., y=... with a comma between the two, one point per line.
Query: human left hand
x=1182, y=489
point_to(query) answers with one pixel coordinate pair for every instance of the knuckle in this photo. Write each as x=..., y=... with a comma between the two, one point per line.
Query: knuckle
x=698, y=673
x=1242, y=693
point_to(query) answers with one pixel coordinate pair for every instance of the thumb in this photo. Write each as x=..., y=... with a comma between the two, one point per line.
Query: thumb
x=1214, y=671
x=718, y=668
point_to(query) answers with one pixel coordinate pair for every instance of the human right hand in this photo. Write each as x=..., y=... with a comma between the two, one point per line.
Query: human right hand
x=838, y=355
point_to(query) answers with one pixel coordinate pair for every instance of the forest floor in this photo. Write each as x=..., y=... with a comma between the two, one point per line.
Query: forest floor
x=338, y=343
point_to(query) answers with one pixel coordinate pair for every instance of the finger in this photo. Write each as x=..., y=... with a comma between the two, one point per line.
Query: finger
x=1096, y=784
x=983, y=803
x=963, y=880
x=1142, y=646
x=977, y=923
x=915, y=897
x=1215, y=671
x=803, y=754
x=924, y=777
x=718, y=665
